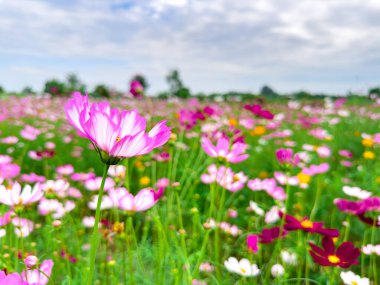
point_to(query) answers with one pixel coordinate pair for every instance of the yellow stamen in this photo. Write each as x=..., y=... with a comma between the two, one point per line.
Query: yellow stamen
x=118, y=139
x=307, y=224
x=333, y=259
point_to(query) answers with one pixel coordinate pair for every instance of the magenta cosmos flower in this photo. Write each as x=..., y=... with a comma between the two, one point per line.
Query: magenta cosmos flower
x=285, y=157
x=223, y=150
x=344, y=256
x=115, y=134
x=293, y=224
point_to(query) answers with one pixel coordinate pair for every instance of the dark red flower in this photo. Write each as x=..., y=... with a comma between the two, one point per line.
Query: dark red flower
x=292, y=224
x=269, y=235
x=344, y=256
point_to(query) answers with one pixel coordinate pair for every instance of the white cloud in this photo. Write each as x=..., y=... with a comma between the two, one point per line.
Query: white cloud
x=217, y=45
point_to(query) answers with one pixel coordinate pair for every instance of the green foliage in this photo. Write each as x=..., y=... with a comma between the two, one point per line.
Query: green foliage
x=268, y=92
x=55, y=87
x=73, y=83
x=101, y=91
x=176, y=87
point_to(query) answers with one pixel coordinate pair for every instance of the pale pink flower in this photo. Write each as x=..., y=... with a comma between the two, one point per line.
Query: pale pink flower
x=269, y=185
x=12, y=195
x=272, y=215
x=316, y=169
x=39, y=276
x=115, y=134
x=225, y=177
x=32, y=178
x=223, y=150
x=9, y=140
x=55, y=207
x=9, y=170
x=88, y=222
x=30, y=133
x=23, y=227
x=324, y=151
x=94, y=184
x=104, y=205
x=66, y=169
x=117, y=171
x=59, y=187
x=144, y=200
x=31, y=261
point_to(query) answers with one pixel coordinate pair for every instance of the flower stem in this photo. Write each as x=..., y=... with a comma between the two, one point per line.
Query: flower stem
x=95, y=235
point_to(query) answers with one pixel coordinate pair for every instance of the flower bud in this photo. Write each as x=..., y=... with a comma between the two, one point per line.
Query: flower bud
x=31, y=261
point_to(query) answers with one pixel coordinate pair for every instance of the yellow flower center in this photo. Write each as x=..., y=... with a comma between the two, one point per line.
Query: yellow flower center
x=303, y=178
x=243, y=270
x=236, y=178
x=333, y=259
x=369, y=155
x=145, y=180
x=258, y=131
x=368, y=142
x=307, y=224
x=118, y=139
x=354, y=283
x=233, y=122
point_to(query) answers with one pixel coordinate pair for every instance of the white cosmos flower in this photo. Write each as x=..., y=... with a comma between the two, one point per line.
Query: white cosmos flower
x=277, y=270
x=289, y=257
x=350, y=278
x=256, y=208
x=356, y=192
x=242, y=267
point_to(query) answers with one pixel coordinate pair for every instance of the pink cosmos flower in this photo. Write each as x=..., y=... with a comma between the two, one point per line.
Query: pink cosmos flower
x=23, y=227
x=30, y=133
x=268, y=185
x=285, y=157
x=94, y=184
x=4, y=159
x=225, y=177
x=345, y=153
x=66, y=169
x=54, y=207
x=259, y=111
x=58, y=187
x=143, y=201
x=136, y=89
x=222, y=150
x=9, y=170
x=6, y=218
x=11, y=279
x=13, y=196
x=252, y=243
x=39, y=276
x=115, y=134
x=316, y=169
x=32, y=178
x=9, y=140
x=82, y=176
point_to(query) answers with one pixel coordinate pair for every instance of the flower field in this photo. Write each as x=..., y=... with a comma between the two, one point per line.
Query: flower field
x=186, y=192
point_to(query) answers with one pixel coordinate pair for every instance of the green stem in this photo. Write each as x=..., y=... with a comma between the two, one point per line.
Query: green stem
x=95, y=235
x=130, y=248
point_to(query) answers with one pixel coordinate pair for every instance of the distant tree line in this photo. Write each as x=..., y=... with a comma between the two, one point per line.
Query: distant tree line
x=176, y=89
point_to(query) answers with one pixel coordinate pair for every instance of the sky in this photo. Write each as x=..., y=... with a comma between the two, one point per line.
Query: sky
x=330, y=46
